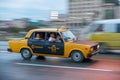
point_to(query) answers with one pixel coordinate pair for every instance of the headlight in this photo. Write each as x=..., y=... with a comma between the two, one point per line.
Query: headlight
x=98, y=46
x=91, y=49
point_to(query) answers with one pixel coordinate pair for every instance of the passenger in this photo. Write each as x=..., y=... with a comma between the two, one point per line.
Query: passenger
x=52, y=38
x=38, y=37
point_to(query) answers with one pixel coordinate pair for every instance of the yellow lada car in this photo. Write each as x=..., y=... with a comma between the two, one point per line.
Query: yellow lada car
x=53, y=42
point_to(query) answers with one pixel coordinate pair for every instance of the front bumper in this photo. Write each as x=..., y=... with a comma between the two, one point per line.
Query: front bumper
x=9, y=50
x=94, y=53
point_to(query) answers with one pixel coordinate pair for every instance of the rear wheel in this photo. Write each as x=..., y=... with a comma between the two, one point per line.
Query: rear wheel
x=40, y=58
x=26, y=54
x=77, y=56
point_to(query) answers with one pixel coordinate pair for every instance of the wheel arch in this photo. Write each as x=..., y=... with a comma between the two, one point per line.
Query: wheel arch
x=77, y=59
x=76, y=50
x=26, y=48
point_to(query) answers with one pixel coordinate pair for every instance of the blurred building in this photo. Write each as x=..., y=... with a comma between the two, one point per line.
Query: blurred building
x=118, y=12
x=58, y=20
x=20, y=23
x=82, y=12
x=5, y=24
x=116, y=2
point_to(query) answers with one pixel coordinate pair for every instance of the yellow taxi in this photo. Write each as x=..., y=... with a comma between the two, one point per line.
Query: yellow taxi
x=53, y=42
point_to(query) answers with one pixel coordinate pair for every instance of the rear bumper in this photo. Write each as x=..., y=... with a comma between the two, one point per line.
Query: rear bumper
x=94, y=53
x=9, y=50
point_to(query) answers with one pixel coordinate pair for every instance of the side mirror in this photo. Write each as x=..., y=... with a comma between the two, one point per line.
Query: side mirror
x=67, y=38
x=26, y=37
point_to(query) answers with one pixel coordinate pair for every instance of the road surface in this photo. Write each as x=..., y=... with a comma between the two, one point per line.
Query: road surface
x=101, y=67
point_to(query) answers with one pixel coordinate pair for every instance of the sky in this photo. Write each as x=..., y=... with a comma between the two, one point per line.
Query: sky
x=33, y=9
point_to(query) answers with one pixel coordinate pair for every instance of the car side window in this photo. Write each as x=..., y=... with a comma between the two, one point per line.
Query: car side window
x=54, y=37
x=59, y=38
x=39, y=36
x=99, y=28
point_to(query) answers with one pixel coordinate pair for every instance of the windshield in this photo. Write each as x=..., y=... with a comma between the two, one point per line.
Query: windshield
x=94, y=27
x=68, y=35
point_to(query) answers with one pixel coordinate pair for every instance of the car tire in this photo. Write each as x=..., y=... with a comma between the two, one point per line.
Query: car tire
x=26, y=54
x=77, y=56
x=40, y=57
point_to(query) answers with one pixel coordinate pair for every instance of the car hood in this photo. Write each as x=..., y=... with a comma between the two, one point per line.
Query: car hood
x=85, y=42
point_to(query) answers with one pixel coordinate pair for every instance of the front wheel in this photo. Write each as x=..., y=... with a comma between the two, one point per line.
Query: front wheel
x=26, y=54
x=77, y=56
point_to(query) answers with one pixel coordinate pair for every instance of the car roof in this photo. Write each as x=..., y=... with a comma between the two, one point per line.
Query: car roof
x=114, y=21
x=45, y=29
x=61, y=29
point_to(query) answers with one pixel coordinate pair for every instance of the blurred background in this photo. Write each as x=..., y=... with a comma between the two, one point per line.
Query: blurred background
x=17, y=17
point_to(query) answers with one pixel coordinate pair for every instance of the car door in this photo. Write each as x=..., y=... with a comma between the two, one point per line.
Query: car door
x=37, y=46
x=56, y=48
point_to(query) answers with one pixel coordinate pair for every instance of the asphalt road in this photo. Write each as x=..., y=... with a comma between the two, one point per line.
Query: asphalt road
x=101, y=67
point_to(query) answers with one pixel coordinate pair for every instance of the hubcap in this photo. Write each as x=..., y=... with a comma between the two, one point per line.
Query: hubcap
x=26, y=53
x=76, y=56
